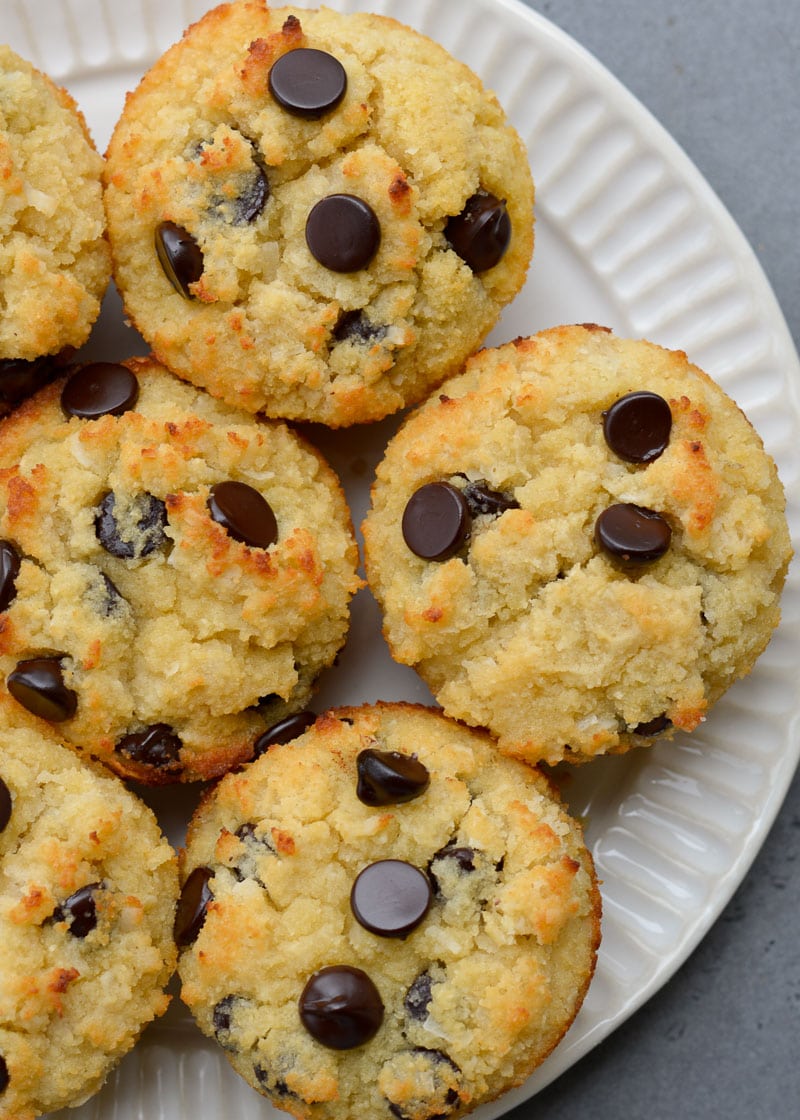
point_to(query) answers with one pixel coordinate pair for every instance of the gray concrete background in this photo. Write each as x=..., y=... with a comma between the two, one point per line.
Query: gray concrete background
x=722, y=1038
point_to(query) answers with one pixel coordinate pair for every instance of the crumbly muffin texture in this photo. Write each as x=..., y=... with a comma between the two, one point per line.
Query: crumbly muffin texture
x=88, y=887
x=473, y=998
x=54, y=259
x=158, y=639
x=532, y=628
x=204, y=145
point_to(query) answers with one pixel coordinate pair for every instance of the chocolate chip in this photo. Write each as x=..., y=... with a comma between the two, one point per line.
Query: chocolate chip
x=99, y=389
x=464, y=858
x=79, y=910
x=343, y=232
x=632, y=534
x=9, y=570
x=481, y=232
x=481, y=498
x=341, y=1007
x=255, y=848
x=283, y=731
x=441, y=1093
x=145, y=536
x=653, y=726
x=308, y=83
x=20, y=379
x=112, y=600
x=389, y=777
x=222, y=1019
x=637, y=427
x=180, y=256
x=418, y=997
x=436, y=521
x=391, y=897
x=4, y=1078
x=354, y=326
x=37, y=684
x=244, y=513
x=278, y=1086
x=192, y=905
x=156, y=746
x=5, y=805
x=253, y=197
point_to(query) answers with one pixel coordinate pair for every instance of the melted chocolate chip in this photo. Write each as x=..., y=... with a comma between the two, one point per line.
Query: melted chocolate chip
x=5, y=805
x=112, y=600
x=354, y=326
x=307, y=83
x=632, y=534
x=156, y=746
x=637, y=427
x=389, y=777
x=442, y=1092
x=4, y=1078
x=252, y=199
x=283, y=731
x=244, y=513
x=20, y=379
x=343, y=233
x=99, y=389
x=341, y=1007
x=9, y=570
x=463, y=856
x=150, y=519
x=436, y=521
x=79, y=910
x=38, y=685
x=480, y=234
x=192, y=905
x=418, y=997
x=222, y=1019
x=180, y=256
x=481, y=498
x=653, y=726
x=391, y=897
x=255, y=847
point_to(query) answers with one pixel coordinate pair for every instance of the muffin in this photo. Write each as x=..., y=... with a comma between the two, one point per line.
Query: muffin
x=174, y=574
x=579, y=543
x=87, y=904
x=313, y=214
x=54, y=258
x=384, y=918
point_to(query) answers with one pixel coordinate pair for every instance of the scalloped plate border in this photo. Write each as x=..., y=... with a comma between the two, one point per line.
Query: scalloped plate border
x=629, y=226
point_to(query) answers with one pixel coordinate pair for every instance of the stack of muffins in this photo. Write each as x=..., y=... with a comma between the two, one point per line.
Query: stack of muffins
x=578, y=541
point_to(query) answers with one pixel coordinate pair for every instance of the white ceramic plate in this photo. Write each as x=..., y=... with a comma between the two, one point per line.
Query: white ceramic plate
x=629, y=235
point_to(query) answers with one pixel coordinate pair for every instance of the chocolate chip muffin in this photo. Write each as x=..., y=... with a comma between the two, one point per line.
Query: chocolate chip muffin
x=54, y=259
x=88, y=887
x=383, y=918
x=174, y=574
x=315, y=215
x=580, y=543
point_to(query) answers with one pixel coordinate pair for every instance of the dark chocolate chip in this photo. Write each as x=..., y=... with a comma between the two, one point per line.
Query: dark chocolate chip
x=4, y=1078
x=480, y=234
x=391, y=897
x=354, y=326
x=222, y=1019
x=244, y=513
x=343, y=232
x=389, y=777
x=441, y=1092
x=283, y=731
x=156, y=746
x=278, y=1088
x=637, y=427
x=5, y=805
x=481, y=498
x=99, y=389
x=308, y=83
x=255, y=847
x=150, y=519
x=463, y=856
x=653, y=726
x=252, y=199
x=9, y=570
x=180, y=256
x=192, y=905
x=38, y=685
x=112, y=600
x=20, y=379
x=79, y=910
x=341, y=1007
x=436, y=521
x=632, y=534
x=418, y=997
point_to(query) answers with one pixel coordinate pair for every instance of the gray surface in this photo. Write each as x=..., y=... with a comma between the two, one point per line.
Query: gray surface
x=722, y=1039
